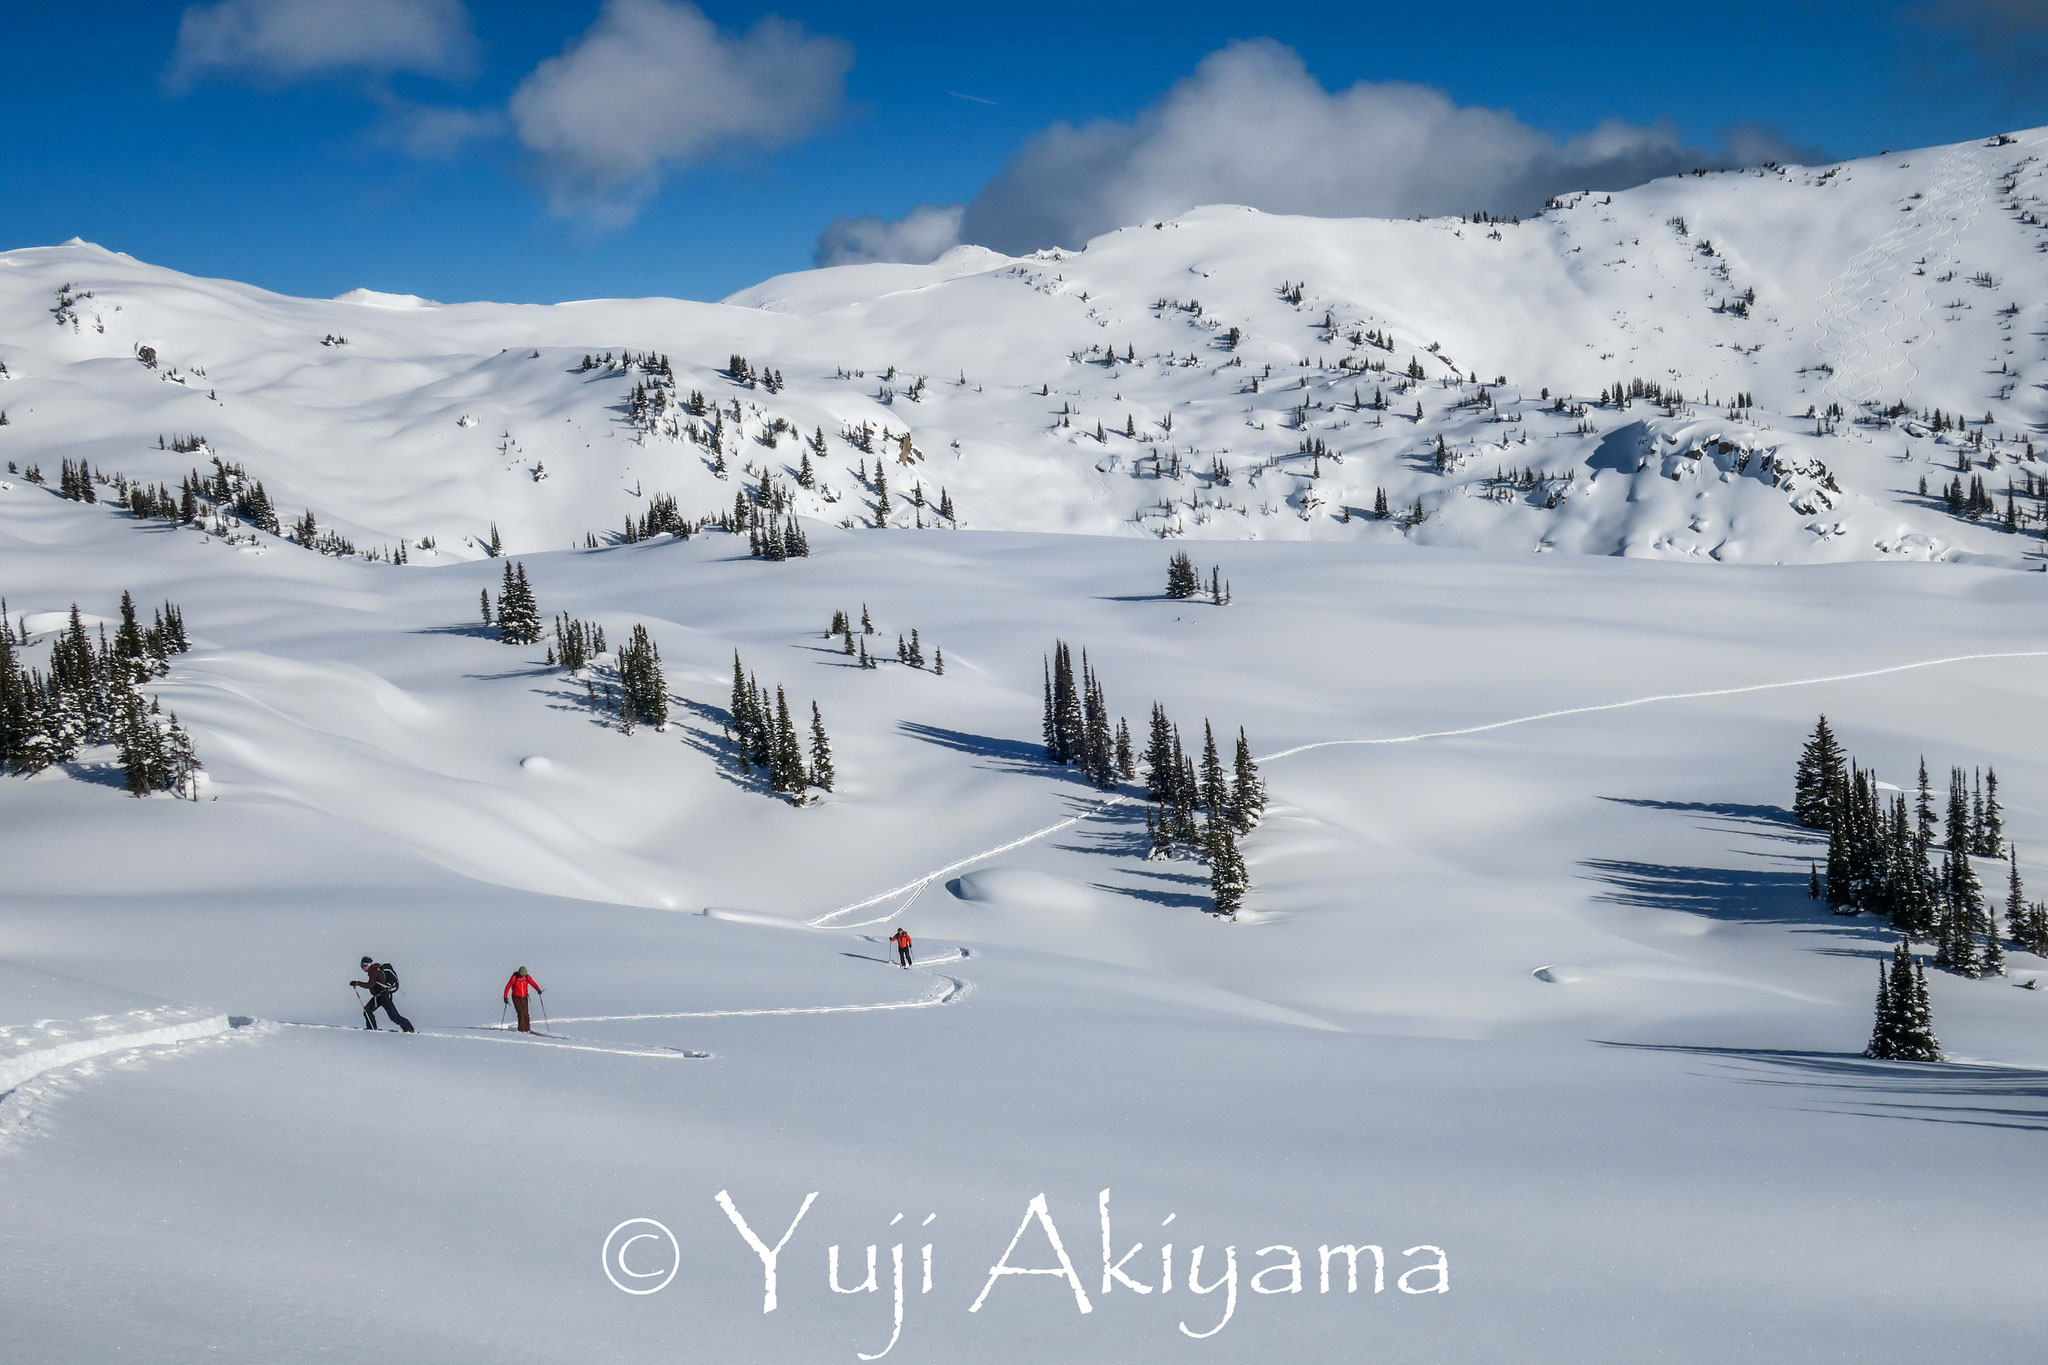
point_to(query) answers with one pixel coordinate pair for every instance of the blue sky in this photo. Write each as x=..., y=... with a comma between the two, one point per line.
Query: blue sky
x=539, y=152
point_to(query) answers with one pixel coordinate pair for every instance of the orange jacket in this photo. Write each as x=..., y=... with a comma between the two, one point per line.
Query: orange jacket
x=902, y=939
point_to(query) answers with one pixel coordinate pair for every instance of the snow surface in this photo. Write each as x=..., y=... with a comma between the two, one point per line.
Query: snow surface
x=1528, y=971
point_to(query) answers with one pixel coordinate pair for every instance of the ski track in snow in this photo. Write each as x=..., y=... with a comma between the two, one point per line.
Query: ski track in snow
x=30, y=1077
x=916, y=888
x=945, y=990
x=26, y=1051
x=494, y=1033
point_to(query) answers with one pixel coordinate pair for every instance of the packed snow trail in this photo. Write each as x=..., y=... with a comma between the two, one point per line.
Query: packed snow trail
x=1660, y=697
x=916, y=888
x=120, y=1033
x=490, y=1033
x=944, y=991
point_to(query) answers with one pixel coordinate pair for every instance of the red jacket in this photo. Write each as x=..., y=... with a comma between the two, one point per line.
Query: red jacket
x=518, y=985
x=901, y=940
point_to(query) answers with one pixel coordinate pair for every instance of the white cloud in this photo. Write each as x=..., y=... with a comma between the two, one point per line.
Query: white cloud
x=1250, y=125
x=923, y=234
x=283, y=40
x=434, y=132
x=655, y=85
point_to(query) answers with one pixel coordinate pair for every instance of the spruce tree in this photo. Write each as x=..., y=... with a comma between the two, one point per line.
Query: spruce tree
x=1215, y=789
x=1923, y=808
x=1248, y=789
x=1818, y=779
x=1160, y=773
x=1228, y=877
x=822, y=772
x=786, y=760
x=1991, y=829
x=1884, y=1029
x=1904, y=1028
x=518, y=612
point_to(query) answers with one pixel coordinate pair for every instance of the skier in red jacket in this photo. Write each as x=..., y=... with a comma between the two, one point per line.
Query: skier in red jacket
x=901, y=938
x=515, y=992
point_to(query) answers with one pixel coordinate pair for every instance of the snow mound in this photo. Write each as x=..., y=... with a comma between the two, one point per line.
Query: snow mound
x=377, y=299
x=1020, y=888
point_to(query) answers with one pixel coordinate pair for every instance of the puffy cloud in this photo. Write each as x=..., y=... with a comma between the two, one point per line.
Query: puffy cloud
x=434, y=132
x=654, y=85
x=283, y=40
x=1250, y=125
x=923, y=234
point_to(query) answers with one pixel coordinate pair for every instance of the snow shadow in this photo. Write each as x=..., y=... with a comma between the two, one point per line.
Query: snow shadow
x=476, y=630
x=1009, y=755
x=1732, y=895
x=1845, y=1083
x=1158, y=885
x=1776, y=816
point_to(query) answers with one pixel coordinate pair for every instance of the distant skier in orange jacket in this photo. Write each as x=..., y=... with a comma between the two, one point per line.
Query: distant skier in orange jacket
x=901, y=939
x=515, y=992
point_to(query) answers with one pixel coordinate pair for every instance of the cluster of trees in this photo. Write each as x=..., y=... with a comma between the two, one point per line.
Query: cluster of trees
x=909, y=652
x=1882, y=857
x=1972, y=502
x=1076, y=723
x=662, y=518
x=1904, y=1029
x=225, y=490
x=765, y=738
x=741, y=372
x=1625, y=392
x=1202, y=810
x=576, y=643
x=92, y=694
x=777, y=538
x=518, y=614
x=645, y=360
x=642, y=693
x=1183, y=583
x=638, y=692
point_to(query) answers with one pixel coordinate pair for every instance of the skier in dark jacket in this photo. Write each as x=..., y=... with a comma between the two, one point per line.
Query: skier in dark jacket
x=380, y=980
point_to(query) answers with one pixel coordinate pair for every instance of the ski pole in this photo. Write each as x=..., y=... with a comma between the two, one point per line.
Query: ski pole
x=543, y=1006
x=502, y=1007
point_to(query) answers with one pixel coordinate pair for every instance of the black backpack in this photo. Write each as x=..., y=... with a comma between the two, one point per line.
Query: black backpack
x=385, y=976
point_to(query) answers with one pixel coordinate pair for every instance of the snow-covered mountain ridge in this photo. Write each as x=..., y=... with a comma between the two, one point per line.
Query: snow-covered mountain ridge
x=1805, y=347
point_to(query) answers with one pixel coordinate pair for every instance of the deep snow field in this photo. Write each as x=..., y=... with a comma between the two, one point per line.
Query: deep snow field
x=1528, y=972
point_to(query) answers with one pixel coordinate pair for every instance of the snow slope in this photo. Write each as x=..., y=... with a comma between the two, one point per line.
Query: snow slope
x=1528, y=972
x=1913, y=278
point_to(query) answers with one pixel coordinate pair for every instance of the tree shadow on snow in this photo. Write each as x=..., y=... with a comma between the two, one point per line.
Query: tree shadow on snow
x=1730, y=895
x=1845, y=1083
x=474, y=629
x=1010, y=755
x=1775, y=816
x=1164, y=895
